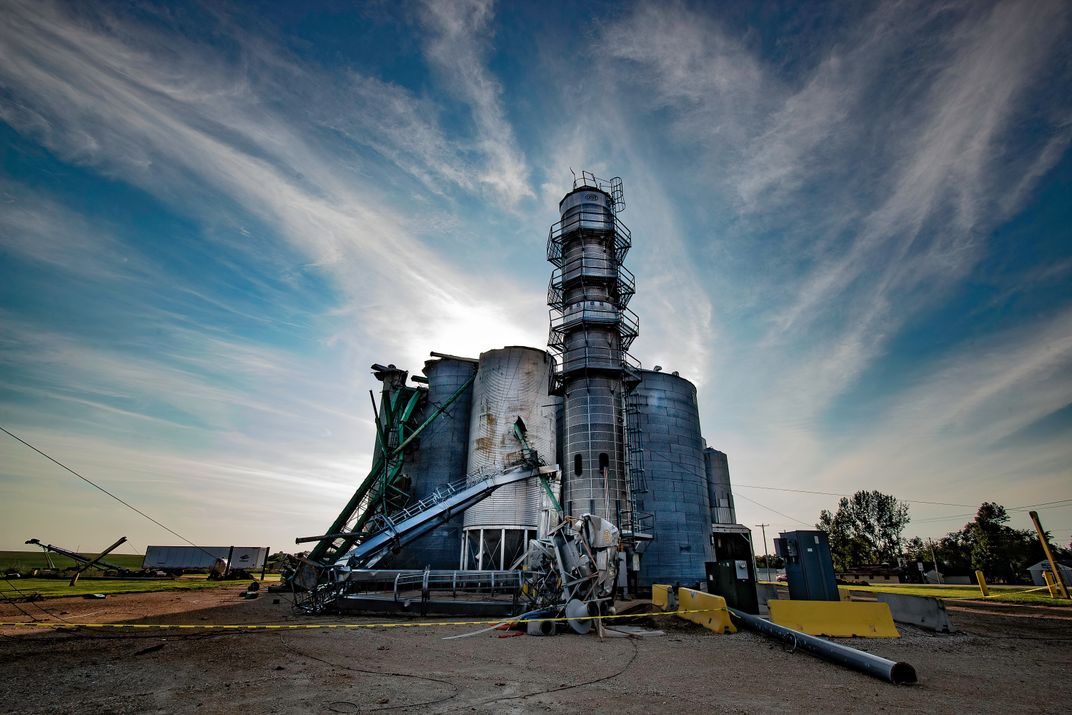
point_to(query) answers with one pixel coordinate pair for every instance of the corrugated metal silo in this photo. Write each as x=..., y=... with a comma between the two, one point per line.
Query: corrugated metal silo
x=719, y=491
x=669, y=422
x=441, y=456
x=510, y=383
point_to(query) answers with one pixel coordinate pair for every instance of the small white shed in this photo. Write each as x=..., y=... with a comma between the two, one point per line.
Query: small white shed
x=1037, y=569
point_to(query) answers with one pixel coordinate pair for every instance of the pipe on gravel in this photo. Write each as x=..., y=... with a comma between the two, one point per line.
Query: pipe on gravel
x=894, y=672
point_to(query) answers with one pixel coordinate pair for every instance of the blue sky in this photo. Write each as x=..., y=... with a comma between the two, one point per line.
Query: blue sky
x=850, y=220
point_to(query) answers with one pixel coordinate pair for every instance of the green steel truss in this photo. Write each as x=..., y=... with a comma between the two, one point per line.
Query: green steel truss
x=385, y=489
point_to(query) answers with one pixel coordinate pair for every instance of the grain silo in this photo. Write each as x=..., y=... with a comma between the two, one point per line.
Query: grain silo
x=511, y=385
x=719, y=491
x=627, y=440
x=440, y=457
x=666, y=415
x=591, y=331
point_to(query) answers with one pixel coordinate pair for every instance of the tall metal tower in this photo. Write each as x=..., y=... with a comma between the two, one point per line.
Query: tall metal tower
x=591, y=331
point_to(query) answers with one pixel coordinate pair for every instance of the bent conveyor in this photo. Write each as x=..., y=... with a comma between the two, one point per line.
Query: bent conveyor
x=412, y=523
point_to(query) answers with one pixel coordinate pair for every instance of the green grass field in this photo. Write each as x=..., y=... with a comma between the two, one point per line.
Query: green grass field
x=1004, y=594
x=58, y=588
x=24, y=561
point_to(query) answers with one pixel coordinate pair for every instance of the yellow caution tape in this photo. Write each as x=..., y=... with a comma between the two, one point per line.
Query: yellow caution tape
x=316, y=626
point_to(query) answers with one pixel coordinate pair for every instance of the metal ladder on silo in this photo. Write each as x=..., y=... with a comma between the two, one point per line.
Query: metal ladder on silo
x=641, y=523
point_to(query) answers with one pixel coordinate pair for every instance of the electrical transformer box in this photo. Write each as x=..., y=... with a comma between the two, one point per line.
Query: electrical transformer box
x=732, y=574
x=808, y=565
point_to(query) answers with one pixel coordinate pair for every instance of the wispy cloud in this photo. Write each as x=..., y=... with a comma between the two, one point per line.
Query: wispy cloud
x=856, y=193
x=295, y=160
x=40, y=230
x=391, y=120
x=192, y=134
x=457, y=46
x=886, y=243
x=800, y=209
x=957, y=424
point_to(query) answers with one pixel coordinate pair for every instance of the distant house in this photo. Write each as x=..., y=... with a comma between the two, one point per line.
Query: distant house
x=1036, y=572
x=949, y=579
x=924, y=572
x=873, y=574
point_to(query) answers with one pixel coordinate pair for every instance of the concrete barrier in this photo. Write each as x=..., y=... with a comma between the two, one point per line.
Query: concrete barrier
x=766, y=592
x=919, y=611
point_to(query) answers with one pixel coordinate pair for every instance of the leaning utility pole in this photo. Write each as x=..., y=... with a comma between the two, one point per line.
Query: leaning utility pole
x=766, y=557
x=937, y=573
x=1054, y=566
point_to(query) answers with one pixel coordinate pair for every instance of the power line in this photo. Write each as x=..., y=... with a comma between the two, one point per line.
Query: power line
x=1040, y=505
x=1059, y=504
x=742, y=496
x=836, y=494
x=14, y=603
x=32, y=602
x=102, y=489
x=910, y=501
x=1056, y=504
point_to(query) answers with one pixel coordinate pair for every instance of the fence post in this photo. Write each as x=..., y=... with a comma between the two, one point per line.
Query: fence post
x=982, y=583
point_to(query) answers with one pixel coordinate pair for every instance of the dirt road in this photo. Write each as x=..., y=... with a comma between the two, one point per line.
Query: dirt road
x=997, y=663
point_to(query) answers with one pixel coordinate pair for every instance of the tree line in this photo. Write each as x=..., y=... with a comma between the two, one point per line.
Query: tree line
x=867, y=529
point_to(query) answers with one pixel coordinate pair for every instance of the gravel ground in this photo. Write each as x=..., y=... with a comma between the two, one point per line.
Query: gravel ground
x=1002, y=660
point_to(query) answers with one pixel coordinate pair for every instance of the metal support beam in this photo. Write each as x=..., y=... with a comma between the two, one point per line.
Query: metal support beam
x=98, y=559
x=409, y=527
x=77, y=558
x=326, y=551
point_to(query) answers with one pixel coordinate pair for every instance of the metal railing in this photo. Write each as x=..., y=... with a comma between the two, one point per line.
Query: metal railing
x=628, y=327
x=439, y=494
x=458, y=582
x=601, y=355
x=622, y=284
x=613, y=187
x=589, y=312
x=581, y=357
x=597, y=223
x=623, y=319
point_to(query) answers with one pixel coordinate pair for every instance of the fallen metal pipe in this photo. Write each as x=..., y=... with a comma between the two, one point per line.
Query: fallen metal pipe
x=878, y=667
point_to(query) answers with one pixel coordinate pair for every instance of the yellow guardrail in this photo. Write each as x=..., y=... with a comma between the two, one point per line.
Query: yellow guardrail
x=835, y=618
x=702, y=608
x=662, y=596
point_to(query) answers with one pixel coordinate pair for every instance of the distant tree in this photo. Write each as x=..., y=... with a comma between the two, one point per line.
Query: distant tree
x=990, y=541
x=776, y=562
x=985, y=543
x=846, y=548
x=865, y=529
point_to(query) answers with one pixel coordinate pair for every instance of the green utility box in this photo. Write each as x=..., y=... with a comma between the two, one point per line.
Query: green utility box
x=732, y=574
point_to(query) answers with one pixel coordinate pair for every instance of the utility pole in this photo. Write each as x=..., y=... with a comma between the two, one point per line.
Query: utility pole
x=1055, y=568
x=766, y=557
x=936, y=571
